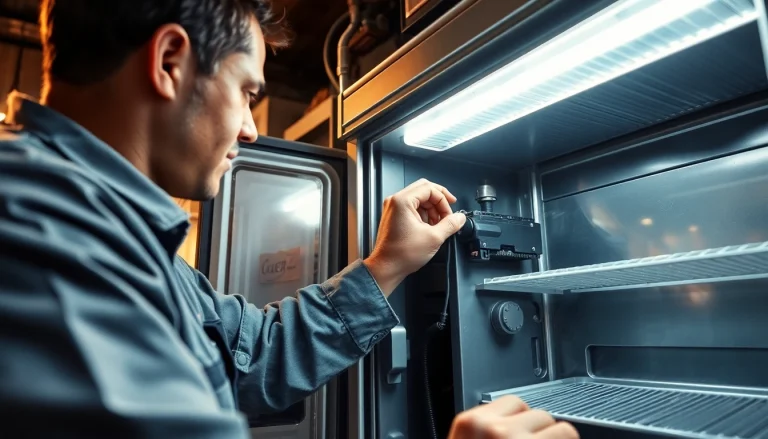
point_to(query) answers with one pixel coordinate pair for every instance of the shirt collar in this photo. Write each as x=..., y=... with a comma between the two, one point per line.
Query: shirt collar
x=168, y=220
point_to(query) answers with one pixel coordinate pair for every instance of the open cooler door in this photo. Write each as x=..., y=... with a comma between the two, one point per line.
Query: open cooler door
x=277, y=225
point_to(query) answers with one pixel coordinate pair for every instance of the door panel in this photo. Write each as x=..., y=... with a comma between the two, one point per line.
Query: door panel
x=276, y=226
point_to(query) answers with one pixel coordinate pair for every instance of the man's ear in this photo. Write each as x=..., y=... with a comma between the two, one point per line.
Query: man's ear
x=171, y=61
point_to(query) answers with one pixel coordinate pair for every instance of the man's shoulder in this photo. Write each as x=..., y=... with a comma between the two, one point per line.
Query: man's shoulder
x=39, y=186
x=25, y=159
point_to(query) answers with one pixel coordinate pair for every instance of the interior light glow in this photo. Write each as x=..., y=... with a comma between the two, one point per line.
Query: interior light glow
x=623, y=37
x=306, y=205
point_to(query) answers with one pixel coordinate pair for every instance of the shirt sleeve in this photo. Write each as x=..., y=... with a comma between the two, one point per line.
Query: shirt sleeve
x=87, y=347
x=287, y=350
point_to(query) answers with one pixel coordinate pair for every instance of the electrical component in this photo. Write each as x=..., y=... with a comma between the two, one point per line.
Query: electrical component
x=621, y=38
x=497, y=236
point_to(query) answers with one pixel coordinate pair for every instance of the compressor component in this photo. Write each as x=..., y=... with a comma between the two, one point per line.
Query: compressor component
x=497, y=236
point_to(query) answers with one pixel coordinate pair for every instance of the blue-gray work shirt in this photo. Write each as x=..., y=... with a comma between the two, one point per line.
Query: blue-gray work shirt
x=105, y=332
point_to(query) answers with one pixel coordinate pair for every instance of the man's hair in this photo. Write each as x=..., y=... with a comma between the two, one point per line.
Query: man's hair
x=85, y=41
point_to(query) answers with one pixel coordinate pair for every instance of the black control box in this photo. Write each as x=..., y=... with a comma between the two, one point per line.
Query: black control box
x=495, y=236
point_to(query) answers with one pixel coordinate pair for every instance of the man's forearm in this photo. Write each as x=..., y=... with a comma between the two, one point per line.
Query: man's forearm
x=387, y=275
x=290, y=348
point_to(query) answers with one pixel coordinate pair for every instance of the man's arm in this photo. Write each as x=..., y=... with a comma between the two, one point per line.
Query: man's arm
x=288, y=349
x=86, y=343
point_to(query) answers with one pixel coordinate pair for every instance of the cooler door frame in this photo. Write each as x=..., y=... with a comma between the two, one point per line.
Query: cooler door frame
x=329, y=419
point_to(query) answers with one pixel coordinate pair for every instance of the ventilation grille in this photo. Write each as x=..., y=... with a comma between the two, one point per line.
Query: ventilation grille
x=672, y=412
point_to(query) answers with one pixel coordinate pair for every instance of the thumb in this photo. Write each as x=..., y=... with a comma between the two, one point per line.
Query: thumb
x=450, y=225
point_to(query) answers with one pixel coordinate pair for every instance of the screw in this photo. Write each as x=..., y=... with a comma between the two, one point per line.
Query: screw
x=533, y=248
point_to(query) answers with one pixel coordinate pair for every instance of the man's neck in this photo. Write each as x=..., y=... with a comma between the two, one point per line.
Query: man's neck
x=101, y=110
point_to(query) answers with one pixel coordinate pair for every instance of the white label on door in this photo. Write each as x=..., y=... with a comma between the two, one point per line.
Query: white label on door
x=283, y=266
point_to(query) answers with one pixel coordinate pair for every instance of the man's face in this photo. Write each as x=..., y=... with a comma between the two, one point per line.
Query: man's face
x=207, y=123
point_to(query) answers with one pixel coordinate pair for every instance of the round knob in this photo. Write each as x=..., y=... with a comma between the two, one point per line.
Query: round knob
x=507, y=318
x=485, y=196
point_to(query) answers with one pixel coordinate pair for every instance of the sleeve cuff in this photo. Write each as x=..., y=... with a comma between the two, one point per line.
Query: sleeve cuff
x=361, y=305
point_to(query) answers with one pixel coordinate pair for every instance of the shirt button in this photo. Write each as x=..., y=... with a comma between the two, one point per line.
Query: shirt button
x=242, y=360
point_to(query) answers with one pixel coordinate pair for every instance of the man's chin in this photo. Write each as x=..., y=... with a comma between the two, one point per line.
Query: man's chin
x=206, y=192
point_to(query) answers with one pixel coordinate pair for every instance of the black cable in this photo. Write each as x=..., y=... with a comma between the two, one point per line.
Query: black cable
x=431, y=332
x=430, y=409
x=444, y=315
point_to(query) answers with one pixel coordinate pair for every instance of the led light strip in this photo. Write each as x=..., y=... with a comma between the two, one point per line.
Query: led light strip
x=617, y=40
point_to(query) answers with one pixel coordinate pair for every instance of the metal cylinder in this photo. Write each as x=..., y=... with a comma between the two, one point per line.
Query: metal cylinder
x=485, y=196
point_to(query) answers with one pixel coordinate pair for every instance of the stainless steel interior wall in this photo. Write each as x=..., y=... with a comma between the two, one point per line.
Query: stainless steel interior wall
x=481, y=360
x=703, y=188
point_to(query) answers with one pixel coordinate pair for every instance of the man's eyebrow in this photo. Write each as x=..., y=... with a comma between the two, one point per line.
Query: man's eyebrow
x=261, y=89
x=260, y=85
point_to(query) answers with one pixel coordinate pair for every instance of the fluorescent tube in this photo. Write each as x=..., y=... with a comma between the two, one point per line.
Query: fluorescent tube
x=621, y=38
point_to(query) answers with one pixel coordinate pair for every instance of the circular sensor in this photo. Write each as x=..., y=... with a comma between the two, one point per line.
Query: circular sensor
x=507, y=318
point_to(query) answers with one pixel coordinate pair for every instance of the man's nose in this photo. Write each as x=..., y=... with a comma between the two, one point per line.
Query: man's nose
x=248, y=132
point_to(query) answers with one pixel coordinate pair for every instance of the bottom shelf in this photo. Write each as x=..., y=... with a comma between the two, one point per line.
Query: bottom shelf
x=681, y=411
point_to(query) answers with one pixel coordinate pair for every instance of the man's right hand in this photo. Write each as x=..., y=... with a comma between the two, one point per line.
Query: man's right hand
x=509, y=418
x=415, y=222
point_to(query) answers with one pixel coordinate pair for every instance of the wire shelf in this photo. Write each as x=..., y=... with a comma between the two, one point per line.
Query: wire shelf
x=677, y=412
x=747, y=261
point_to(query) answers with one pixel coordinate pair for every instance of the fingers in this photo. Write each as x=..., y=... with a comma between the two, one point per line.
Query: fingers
x=534, y=420
x=507, y=418
x=451, y=224
x=424, y=215
x=429, y=216
x=505, y=406
x=561, y=430
x=424, y=182
x=426, y=194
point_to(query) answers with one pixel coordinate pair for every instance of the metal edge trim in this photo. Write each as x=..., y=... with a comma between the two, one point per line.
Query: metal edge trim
x=412, y=43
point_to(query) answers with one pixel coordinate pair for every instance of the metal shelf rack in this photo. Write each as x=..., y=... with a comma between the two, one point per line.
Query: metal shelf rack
x=738, y=262
x=676, y=411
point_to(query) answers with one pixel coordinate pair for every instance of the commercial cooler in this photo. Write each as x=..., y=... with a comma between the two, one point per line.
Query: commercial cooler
x=631, y=135
x=611, y=157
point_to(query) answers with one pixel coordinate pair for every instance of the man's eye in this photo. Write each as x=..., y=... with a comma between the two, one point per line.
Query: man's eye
x=252, y=100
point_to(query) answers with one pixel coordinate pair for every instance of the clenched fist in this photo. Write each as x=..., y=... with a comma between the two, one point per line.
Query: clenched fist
x=509, y=418
x=415, y=222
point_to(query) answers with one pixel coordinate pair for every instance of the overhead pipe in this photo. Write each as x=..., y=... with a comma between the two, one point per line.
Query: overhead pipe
x=333, y=78
x=355, y=20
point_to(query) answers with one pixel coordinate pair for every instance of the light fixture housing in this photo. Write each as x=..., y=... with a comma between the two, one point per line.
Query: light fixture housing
x=624, y=37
